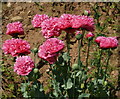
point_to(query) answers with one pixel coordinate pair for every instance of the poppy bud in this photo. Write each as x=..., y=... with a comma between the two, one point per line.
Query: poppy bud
x=87, y=12
x=90, y=36
x=75, y=67
x=35, y=50
x=35, y=70
x=78, y=35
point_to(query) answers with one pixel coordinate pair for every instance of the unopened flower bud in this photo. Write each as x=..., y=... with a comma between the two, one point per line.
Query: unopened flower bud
x=35, y=50
x=35, y=70
x=105, y=83
x=75, y=67
x=90, y=36
x=78, y=35
x=87, y=12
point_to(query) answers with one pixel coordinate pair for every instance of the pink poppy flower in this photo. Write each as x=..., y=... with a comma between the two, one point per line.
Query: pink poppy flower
x=50, y=48
x=23, y=65
x=16, y=47
x=15, y=28
x=64, y=21
x=38, y=19
x=107, y=42
x=87, y=12
x=50, y=27
x=83, y=22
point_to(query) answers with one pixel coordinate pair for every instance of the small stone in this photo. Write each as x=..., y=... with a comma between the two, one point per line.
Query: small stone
x=19, y=8
x=47, y=70
x=22, y=12
x=6, y=17
x=29, y=17
x=8, y=4
x=29, y=1
x=30, y=27
x=17, y=18
x=28, y=13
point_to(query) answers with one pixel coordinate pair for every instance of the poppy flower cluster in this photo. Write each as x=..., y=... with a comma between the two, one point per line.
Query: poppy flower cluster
x=54, y=25
x=49, y=50
x=18, y=48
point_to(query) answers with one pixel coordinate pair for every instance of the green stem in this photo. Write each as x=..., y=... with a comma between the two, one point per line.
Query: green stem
x=80, y=44
x=35, y=59
x=87, y=53
x=74, y=86
x=83, y=33
x=99, y=65
x=79, y=47
x=68, y=50
x=100, y=62
x=37, y=3
x=68, y=43
x=107, y=63
x=15, y=36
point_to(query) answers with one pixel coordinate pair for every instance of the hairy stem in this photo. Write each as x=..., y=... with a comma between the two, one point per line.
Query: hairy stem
x=79, y=47
x=107, y=63
x=99, y=65
x=68, y=49
x=83, y=33
x=87, y=53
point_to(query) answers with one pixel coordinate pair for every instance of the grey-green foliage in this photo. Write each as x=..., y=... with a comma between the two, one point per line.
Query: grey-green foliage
x=32, y=90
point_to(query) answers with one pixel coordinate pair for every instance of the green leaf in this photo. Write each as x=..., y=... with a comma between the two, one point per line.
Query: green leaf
x=60, y=59
x=55, y=93
x=95, y=82
x=63, y=86
x=84, y=77
x=79, y=91
x=79, y=73
x=69, y=84
x=25, y=94
x=24, y=86
x=66, y=56
x=84, y=95
x=100, y=34
x=100, y=81
x=41, y=88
